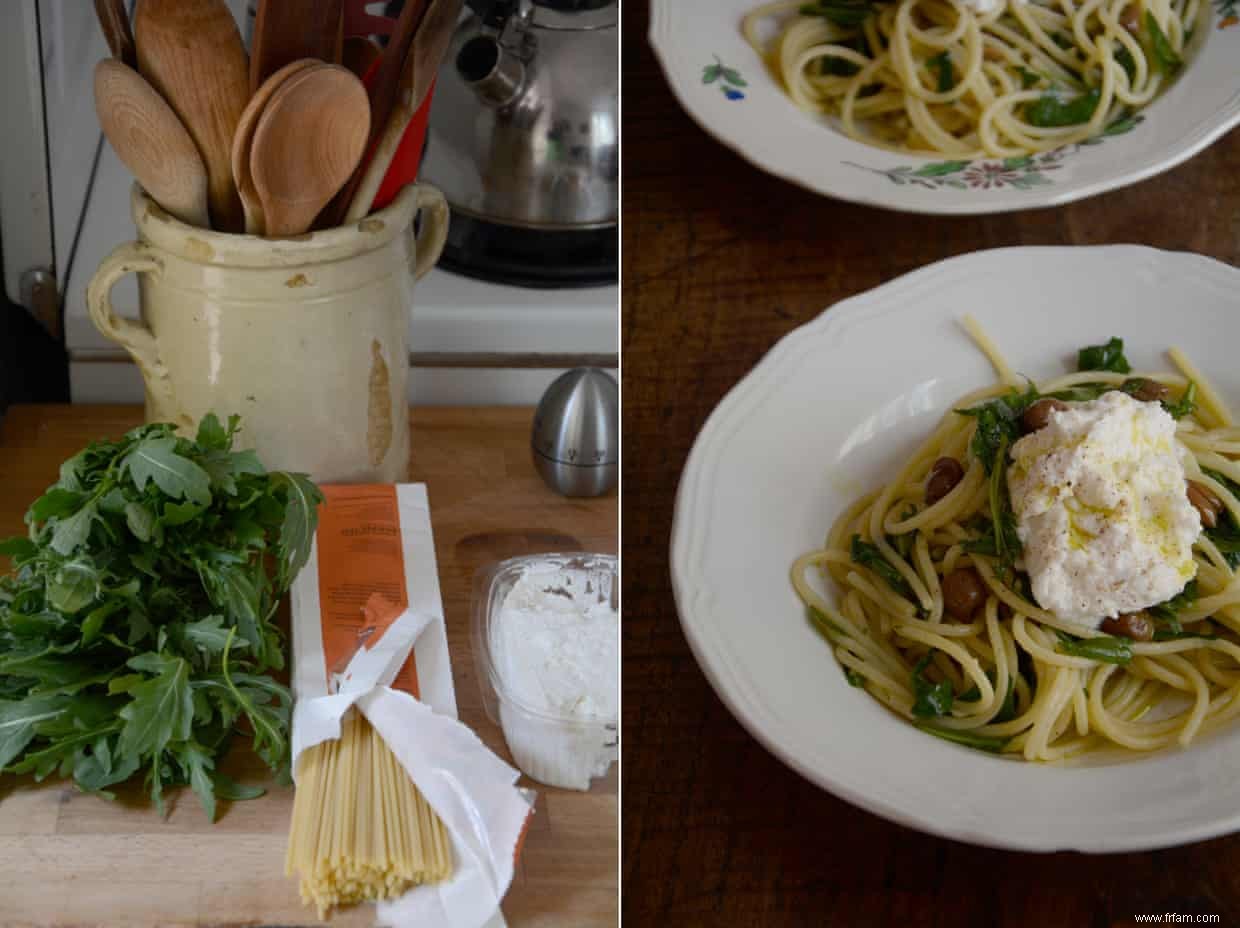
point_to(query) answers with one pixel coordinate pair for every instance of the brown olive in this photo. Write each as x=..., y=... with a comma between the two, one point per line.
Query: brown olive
x=1145, y=390
x=1134, y=625
x=944, y=475
x=1039, y=414
x=1130, y=19
x=963, y=593
x=1207, y=504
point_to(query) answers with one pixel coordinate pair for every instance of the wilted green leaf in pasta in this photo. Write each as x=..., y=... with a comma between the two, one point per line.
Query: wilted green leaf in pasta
x=1108, y=357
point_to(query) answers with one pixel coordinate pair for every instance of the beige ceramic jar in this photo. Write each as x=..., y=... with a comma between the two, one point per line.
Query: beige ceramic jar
x=306, y=338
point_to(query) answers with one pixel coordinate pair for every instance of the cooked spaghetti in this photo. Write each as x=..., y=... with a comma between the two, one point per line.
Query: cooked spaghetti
x=996, y=78
x=361, y=830
x=1001, y=673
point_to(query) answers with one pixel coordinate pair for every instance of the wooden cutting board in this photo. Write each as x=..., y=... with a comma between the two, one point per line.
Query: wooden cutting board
x=72, y=859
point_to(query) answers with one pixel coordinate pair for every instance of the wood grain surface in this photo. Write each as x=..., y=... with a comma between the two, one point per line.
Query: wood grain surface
x=720, y=260
x=72, y=859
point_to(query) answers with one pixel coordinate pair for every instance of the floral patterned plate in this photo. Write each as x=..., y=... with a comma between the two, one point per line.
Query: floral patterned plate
x=728, y=90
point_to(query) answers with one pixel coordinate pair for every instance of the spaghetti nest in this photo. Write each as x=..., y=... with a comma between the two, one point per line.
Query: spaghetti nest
x=1012, y=677
x=1021, y=77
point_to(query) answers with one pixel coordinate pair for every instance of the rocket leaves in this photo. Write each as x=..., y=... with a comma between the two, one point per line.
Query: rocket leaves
x=180, y=478
x=136, y=633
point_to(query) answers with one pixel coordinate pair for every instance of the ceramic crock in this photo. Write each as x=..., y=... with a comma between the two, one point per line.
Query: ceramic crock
x=306, y=338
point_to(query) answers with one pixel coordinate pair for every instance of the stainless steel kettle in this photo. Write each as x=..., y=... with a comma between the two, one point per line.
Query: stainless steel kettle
x=524, y=138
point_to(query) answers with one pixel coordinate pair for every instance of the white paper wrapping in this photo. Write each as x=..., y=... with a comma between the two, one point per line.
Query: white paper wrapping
x=472, y=790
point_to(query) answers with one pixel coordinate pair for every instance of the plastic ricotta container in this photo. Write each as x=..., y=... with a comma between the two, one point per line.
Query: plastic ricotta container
x=546, y=636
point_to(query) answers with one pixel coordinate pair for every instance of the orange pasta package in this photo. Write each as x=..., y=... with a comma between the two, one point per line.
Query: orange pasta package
x=397, y=802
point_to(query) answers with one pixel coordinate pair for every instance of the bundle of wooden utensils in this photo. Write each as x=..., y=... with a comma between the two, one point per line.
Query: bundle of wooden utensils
x=299, y=134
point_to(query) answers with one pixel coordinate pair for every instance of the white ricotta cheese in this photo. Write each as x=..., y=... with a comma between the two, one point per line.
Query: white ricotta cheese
x=1102, y=509
x=556, y=647
x=560, y=645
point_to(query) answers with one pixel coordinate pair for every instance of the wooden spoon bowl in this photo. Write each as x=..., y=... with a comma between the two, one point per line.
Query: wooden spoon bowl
x=308, y=142
x=150, y=140
x=255, y=221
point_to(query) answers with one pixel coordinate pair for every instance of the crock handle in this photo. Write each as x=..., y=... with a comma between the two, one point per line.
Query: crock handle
x=428, y=246
x=134, y=336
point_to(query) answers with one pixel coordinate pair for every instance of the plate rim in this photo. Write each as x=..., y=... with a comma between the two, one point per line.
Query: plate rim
x=690, y=483
x=1161, y=162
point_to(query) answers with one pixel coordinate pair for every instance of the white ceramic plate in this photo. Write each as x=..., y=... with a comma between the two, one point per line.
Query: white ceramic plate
x=829, y=413
x=744, y=107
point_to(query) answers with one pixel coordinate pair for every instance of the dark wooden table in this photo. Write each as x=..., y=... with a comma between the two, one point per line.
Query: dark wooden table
x=720, y=260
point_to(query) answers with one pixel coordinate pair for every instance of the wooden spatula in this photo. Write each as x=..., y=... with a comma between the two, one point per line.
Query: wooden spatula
x=255, y=222
x=150, y=140
x=430, y=41
x=383, y=93
x=114, y=20
x=288, y=30
x=307, y=143
x=191, y=52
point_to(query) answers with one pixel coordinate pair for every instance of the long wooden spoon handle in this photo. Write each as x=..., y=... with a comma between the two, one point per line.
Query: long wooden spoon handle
x=115, y=23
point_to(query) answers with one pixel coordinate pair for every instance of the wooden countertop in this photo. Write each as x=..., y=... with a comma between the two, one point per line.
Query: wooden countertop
x=720, y=261
x=72, y=859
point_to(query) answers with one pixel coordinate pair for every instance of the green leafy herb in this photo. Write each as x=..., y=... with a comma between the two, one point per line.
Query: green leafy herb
x=930, y=699
x=1108, y=357
x=1225, y=535
x=1124, y=59
x=853, y=678
x=868, y=555
x=1007, y=541
x=1027, y=78
x=1169, y=611
x=1053, y=110
x=136, y=631
x=1007, y=711
x=840, y=12
x=838, y=67
x=1125, y=122
x=1186, y=405
x=998, y=423
x=819, y=620
x=1166, y=57
x=1107, y=649
x=989, y=743
x=941, y=66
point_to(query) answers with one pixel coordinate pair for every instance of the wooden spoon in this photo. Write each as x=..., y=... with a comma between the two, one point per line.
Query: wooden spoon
x=287, y=30
x=114, y=20
x=255, y=222
x=191, y=52
x=150, y=140
x=307, y=143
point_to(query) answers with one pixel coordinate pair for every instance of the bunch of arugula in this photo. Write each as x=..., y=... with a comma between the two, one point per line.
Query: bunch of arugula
x=136, y=632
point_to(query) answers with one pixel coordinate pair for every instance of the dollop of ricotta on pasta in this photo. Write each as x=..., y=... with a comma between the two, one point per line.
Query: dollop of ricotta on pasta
x=1102, y=509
